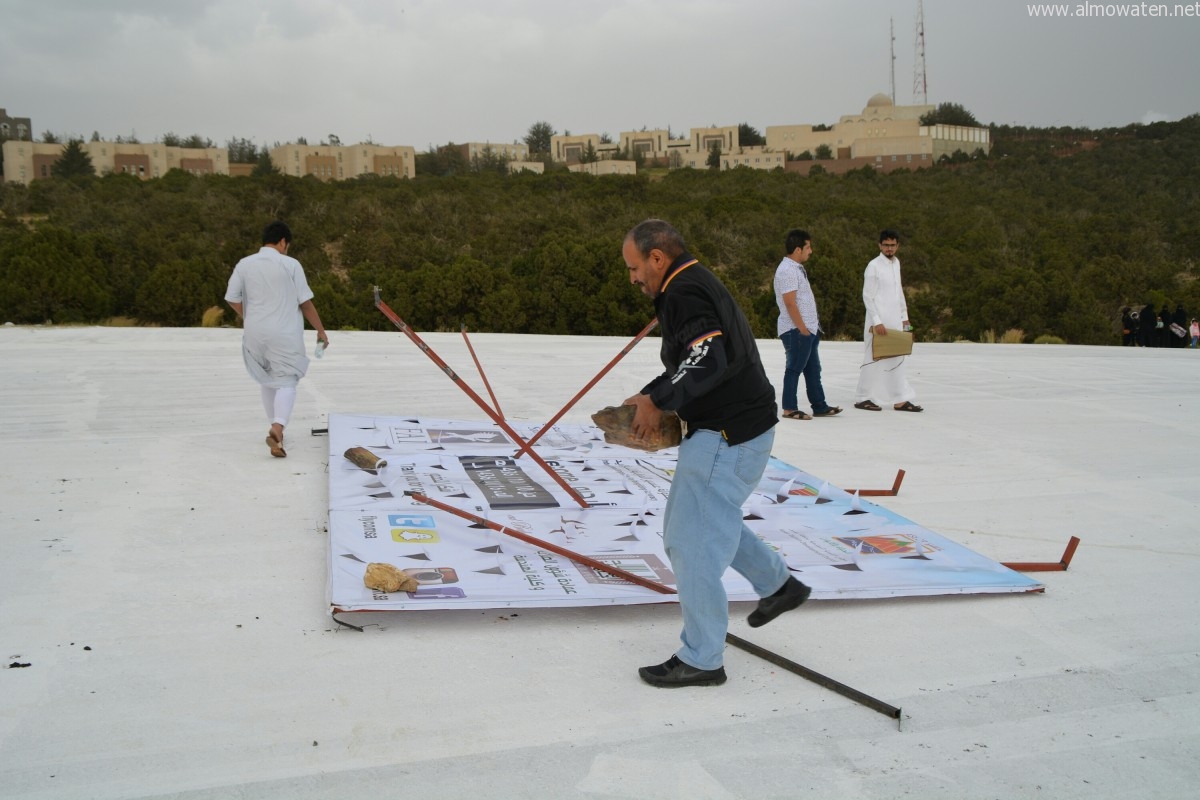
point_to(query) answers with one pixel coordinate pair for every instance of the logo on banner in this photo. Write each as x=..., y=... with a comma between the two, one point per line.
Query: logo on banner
x=644, y=565
x=504, y=484
x=413, y=528
x=884, y=545
x=472, y=436
x=432, y=576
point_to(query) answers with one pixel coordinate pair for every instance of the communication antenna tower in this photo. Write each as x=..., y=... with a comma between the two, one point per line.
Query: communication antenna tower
x=892, y=24
x=920, y=85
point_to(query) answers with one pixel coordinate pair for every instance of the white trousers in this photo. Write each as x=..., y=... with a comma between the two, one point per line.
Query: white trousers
x=278, y=403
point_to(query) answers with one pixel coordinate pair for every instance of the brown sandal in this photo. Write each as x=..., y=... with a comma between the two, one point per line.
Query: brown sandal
x=868, y=405
x=275, y=445
x=908, y=406
x=796, y=415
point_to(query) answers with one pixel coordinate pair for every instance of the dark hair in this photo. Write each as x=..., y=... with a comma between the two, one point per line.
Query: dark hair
x=277, y=232
x=655, y=234
x=795, y=238
x=888, y=234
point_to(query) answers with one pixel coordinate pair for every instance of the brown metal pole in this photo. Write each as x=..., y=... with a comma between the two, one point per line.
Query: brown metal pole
x=533, y=540
x=479, y=401
x=587, y=388
x=478, y=366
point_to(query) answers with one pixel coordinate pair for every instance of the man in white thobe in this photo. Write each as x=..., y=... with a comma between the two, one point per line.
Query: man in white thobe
x=269, y=291
x=883, y=295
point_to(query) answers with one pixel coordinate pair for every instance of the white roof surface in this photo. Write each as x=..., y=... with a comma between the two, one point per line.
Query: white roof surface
x=164, y=579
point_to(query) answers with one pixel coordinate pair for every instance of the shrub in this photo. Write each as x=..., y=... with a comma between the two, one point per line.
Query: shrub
x=213, y=317
x=1013, y=336
x=119, y=322
x=1047, y=338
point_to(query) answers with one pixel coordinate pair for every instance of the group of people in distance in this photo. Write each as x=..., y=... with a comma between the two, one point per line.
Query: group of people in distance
x=1150, y=328
x=713, y=378
x=799, y=328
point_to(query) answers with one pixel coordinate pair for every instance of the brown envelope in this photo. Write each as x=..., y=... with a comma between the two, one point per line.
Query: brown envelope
x=896, y=343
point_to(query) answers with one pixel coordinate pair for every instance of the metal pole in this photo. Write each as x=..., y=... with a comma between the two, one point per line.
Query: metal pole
x=815, y=677
x=587, y=388
x=479, y=401
x=776, y=659
x=553, y=548
x=478, y=366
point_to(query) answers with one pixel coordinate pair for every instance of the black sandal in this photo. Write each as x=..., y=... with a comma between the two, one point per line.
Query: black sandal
x=868, y=405
x=796, y=415
x=908, y=406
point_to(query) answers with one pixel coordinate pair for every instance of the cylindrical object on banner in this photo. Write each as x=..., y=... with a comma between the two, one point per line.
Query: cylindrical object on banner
x=365, y=459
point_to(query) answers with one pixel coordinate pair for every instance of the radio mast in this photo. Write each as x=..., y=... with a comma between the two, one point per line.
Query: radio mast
x=920, y=85
x=892, y=25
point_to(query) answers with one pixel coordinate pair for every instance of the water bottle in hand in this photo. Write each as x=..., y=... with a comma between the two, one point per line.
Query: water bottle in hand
x=320, y=351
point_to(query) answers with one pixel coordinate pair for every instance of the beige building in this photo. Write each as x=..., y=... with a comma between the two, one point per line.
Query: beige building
x=341, y=162
x=650, y=145
x=15, y=127
x=527, y=166
x=753, y=157
x=881, y=131
x=701, y=140
x=572, y=149
x=512, y=152
x=606, y=166
x=27, y=161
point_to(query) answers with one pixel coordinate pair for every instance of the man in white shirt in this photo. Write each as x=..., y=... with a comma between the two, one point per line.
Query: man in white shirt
x=799, y=329
x=883, y=295
x=269, y=292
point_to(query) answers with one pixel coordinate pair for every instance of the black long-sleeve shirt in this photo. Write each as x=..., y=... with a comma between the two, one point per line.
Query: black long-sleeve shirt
x=715, y=379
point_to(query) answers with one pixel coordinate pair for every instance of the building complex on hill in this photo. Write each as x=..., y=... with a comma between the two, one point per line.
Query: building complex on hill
x=883, y=136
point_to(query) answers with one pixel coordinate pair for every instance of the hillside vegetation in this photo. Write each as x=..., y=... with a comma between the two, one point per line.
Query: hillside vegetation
x=1051, y=236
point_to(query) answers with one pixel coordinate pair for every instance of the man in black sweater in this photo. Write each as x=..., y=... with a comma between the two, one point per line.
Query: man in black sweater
x=715, y=382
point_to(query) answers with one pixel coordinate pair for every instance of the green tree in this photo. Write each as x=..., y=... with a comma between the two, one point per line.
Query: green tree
x=538, y=138
x=49, y=137
x=241, y=151
x=748, y=136
x=589, y=154
x=714, y=156
x=824, y=153
x=196, y=142
x=263, y=164
x=74, y=163
x=950, y=114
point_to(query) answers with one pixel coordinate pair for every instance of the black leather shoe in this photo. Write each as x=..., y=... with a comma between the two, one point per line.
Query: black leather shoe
x=673, y=673
x=789, y=596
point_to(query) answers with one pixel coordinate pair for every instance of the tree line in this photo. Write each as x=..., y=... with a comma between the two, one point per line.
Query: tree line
x=1051, y=236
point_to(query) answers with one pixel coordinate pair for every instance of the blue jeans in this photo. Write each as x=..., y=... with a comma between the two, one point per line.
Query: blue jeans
x=802, y=359
x=704, y=535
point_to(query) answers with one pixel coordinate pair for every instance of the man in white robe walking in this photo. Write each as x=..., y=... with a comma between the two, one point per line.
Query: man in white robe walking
x=883, y=295
x=269, y=292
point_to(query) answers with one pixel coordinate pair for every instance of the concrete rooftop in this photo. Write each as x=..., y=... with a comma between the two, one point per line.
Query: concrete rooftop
x=164, y=579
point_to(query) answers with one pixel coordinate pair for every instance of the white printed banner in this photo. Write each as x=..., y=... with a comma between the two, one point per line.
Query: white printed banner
x=841, y=545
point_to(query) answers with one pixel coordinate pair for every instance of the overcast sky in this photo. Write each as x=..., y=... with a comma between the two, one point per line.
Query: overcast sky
x=425, y=72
